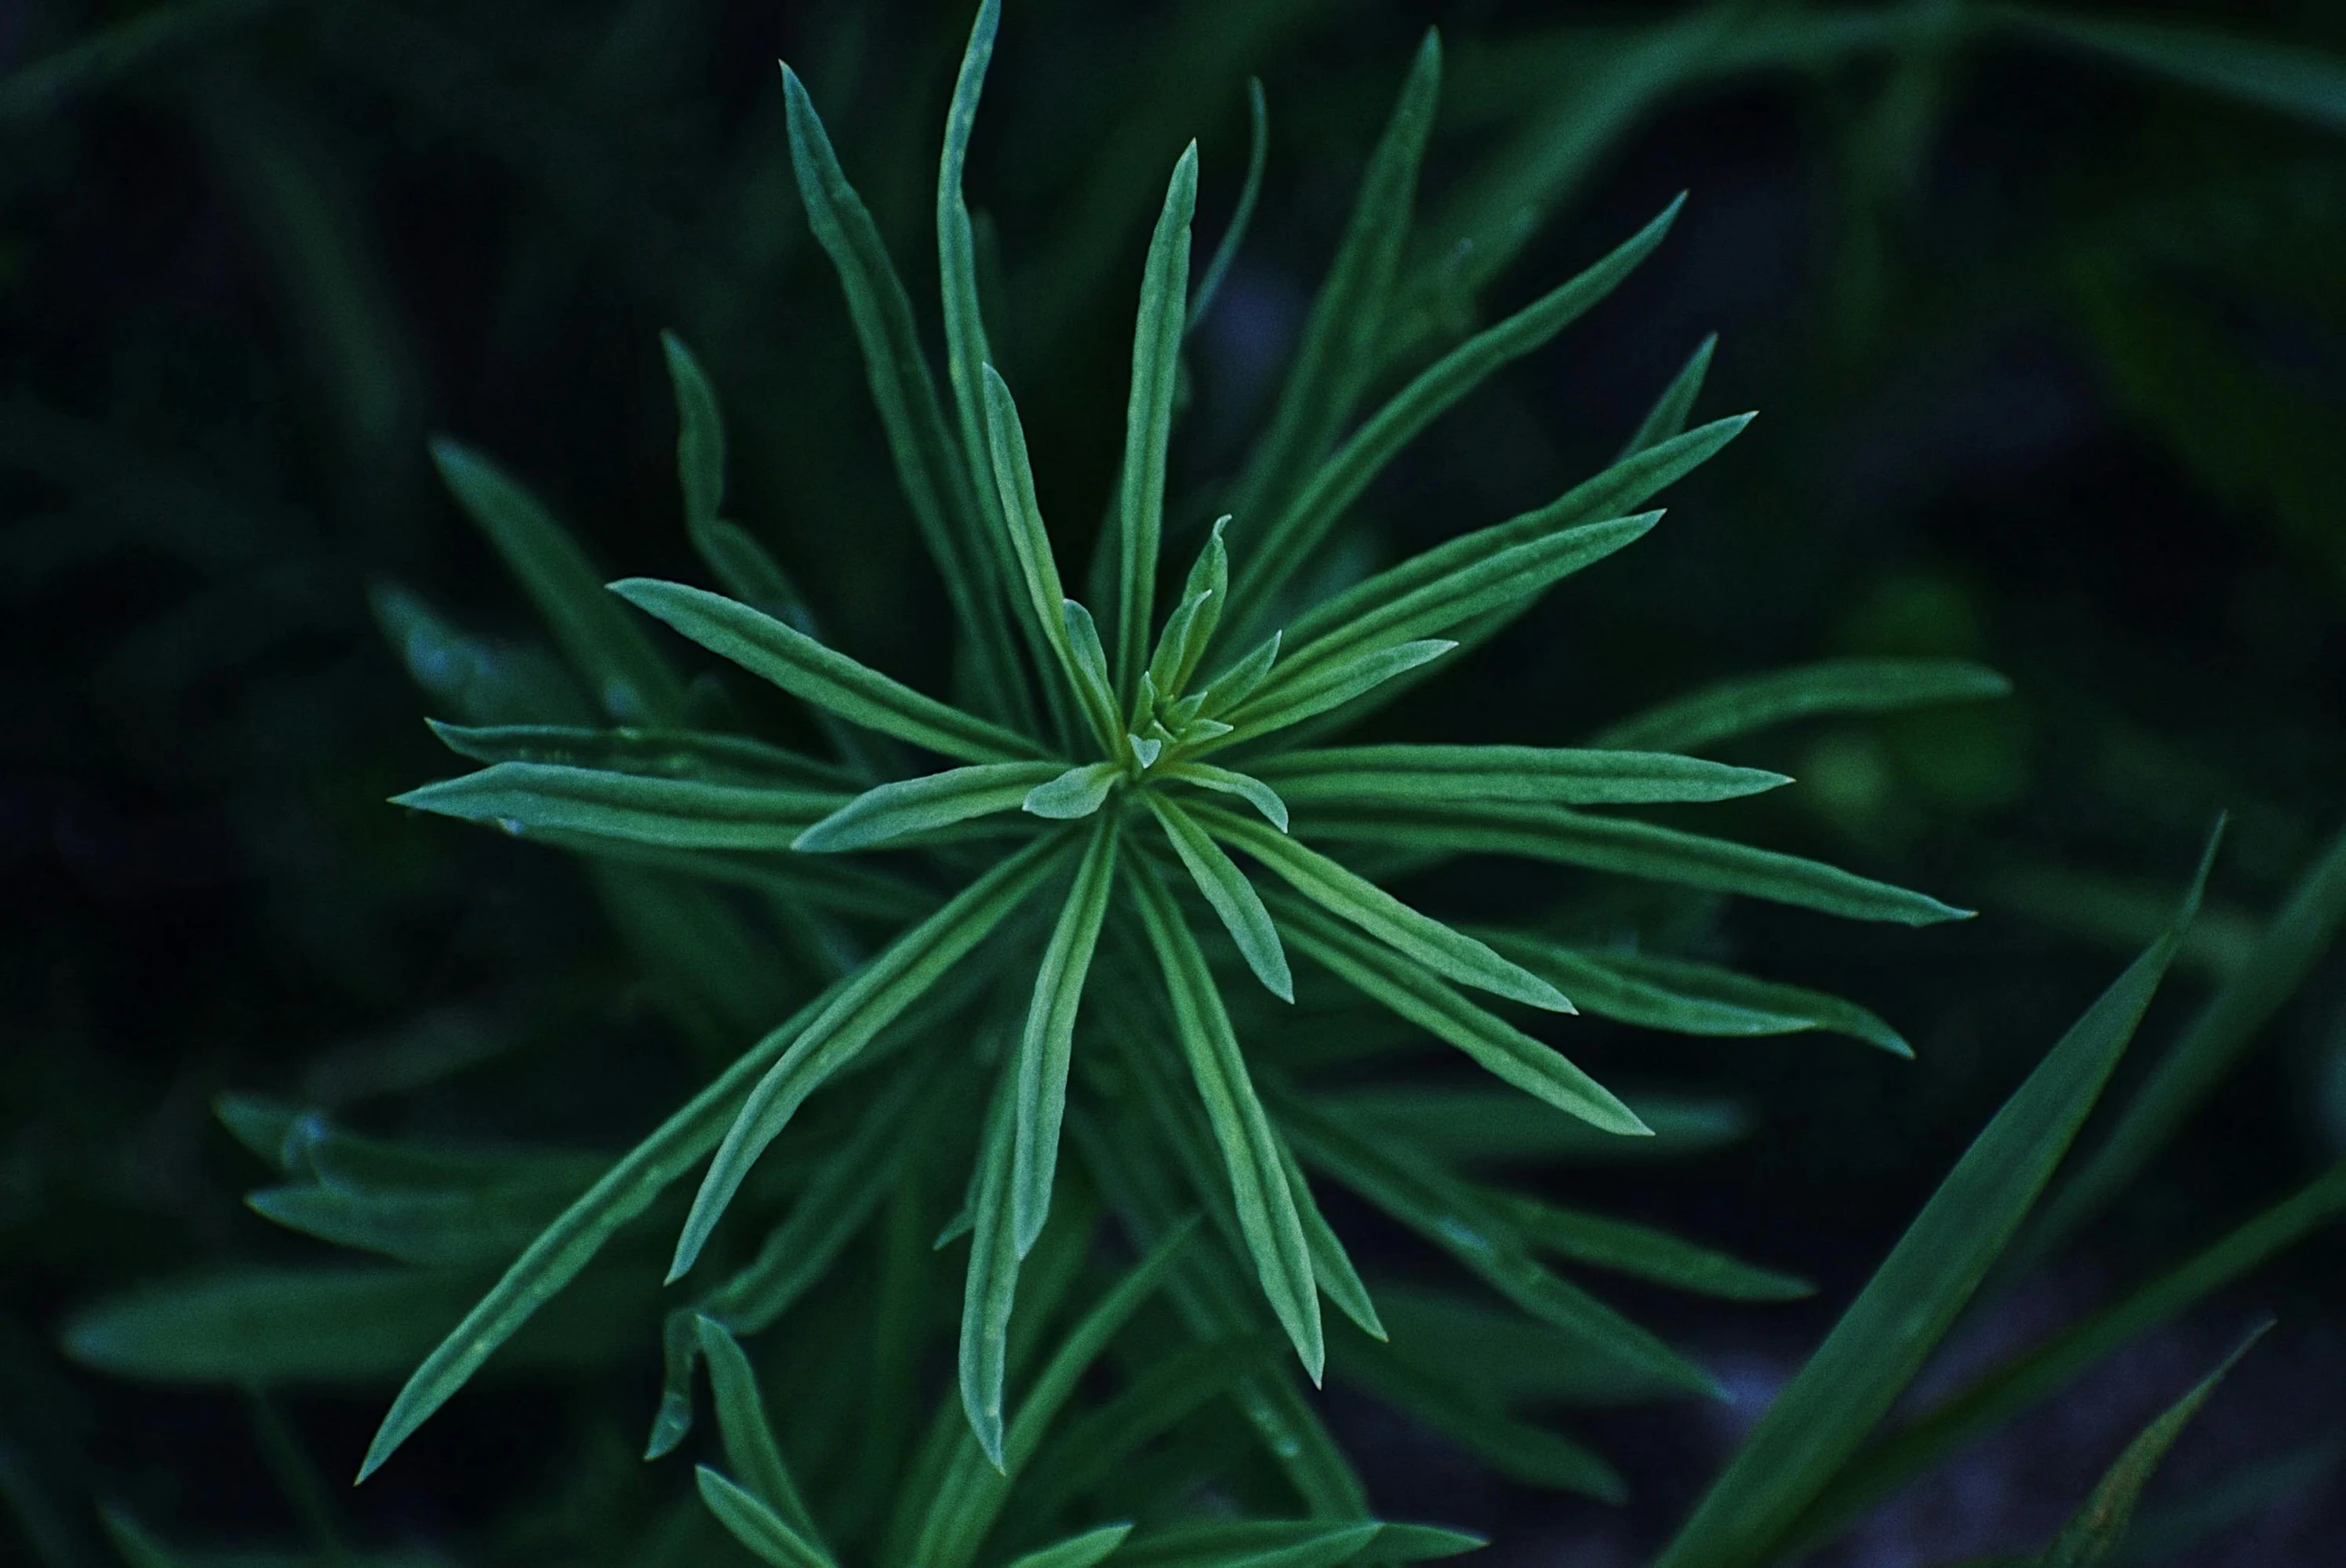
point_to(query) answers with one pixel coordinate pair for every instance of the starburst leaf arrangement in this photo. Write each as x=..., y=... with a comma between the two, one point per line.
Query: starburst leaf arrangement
x=1124, y=854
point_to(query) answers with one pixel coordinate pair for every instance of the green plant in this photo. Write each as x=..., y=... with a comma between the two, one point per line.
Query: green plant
x=944, y=980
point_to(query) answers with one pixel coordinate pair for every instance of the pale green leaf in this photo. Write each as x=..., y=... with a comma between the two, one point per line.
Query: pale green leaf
x=1344, y=892
x=1383, y=774
x=1838, y=686
x=756, y=1526
x=1222, y=780
x=850, y=1017
x=895, y=812
x=666, y=753
x=749, y=1446
x=807, y=670
x=1392, y=980
x=991, y=1285
x=1075, y=793
x=684, y=814
x=1188, y=631
x=1331, y=685
x=1046, y=1046
x=1331, y=1265
x=1302, y=526
x=1156, y=359
x=1232, y=896
x=1267, y=1217
x=1823, y=1415
x=1630, y=848
x=1685, y=998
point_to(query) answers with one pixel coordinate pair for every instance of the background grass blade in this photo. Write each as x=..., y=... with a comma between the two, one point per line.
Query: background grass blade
x=1841, y=685
x=1816, y=1424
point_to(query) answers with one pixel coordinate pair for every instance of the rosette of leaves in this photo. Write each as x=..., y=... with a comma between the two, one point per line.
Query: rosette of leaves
x=1091, y=904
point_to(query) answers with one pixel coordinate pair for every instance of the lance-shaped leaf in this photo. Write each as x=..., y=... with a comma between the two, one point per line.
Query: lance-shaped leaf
x=1822, y=1416
x=1094, y=684
x=1328, y=685
x=749, y=1446
x=933, y=482
x=680, y=813
x=664, y=753
x=1222, y=780
x=991, y=1285
x=571, y=1242
x=1077, y=1551
x=1304, y=525
x=423, y=1225
x=974, y=1489
x=1232, y=896
x=1337, y=353
x=1267, y=1217
x=1645, y=1254
x=861, y=1008
x=828, y=1213
x=1474, y=1125
x=630, y=680
x=2304, y=84
x=1188, y=631
x=1672, y=410
x=1331, y=1265
x=1455, y=1216
x=1075, y=793
x=1344, y=892
x=1631, y=848
x=1156, y=360
x=1294, y=1543
x=1839, y=686
x=1609, y=495
x=756, y=1526
x=1234, y=685
x=1048, y=1046
x=1451, y=599
x=1386, y=774
x=1022, y=514
x=2099, y=1524
x=1686, y=997
x=1243, y=215
x=1496, y=1045
x=819, y=675
x=898, y=811
x=2300, y=933
x=700, y=435
x=1928, y=1439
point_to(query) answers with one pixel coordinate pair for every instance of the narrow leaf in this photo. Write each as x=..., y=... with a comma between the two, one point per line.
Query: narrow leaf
x=1047, y=1047
x=1190, y=629
x=1075, y=793
x=1232, y=896
x=1331, y=1265
x=1392, y=980
x=1077, y=1551
x=1633, y=848
x=1386, y=774
x=1304, y=524
x=2100, y=1523
x=989, y=1289
x=750, y=1446
x=700, y=435
x=1247, y=787
x=522, y=797
x=2303, y=84
x=1330, y=685
x=630, y=680
x=1645, y=1254
x=666, y=753
x=756, y=1526
x=1686, y=997
x=1227, y=251
x=895, y=812
x=1840, y=685
x=1881, y=1341
x=1672, y=410
x=1156, y=359
x=1268, y=1216
x=1344, y=892
x=858, y=1010
x=807, y=670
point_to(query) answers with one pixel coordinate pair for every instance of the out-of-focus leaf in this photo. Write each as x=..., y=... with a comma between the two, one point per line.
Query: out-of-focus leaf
x=662, y=754
x=1840, y=686
x=2304, y=84
x=1498, y=1124
x=1825, y=1412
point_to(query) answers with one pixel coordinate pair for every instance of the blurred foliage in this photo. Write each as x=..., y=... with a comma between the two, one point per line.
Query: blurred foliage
x=2042, y=311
